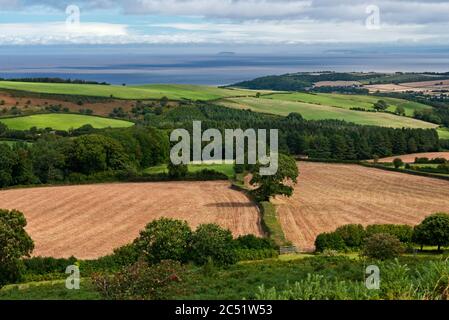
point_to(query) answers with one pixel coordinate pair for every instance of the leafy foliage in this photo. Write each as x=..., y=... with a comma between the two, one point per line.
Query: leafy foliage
x=382, y=246
x=434, y=230
x=142, y=281
x=15, y=244
x=210, y=241
x=268, y=186
x=164, y=239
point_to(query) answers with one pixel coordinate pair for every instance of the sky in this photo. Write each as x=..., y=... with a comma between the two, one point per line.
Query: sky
x=360, y=23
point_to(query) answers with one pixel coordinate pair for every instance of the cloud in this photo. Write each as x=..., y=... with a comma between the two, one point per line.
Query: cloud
x=236, y=21
x=393, y=11
x=60, y=32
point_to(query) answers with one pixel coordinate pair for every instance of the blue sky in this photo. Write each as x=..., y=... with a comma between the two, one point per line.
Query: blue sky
x=230, y=22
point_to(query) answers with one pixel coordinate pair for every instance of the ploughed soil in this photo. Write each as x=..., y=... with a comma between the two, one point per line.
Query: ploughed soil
x=331, y=195
x=89, y=221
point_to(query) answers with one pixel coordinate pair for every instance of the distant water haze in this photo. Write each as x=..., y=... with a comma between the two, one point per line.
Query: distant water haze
x=207, y=69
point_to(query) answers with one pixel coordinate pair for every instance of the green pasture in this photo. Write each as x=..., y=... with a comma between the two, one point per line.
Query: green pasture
x=62, y=122
x=142, y=92
x=348, y=101
x=312, y=111
x=443, y=133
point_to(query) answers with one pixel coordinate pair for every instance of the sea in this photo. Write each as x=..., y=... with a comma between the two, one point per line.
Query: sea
x=204, y=69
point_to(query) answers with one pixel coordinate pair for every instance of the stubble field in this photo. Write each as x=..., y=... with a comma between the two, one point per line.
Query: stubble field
x=331, y=195
x=90, y=221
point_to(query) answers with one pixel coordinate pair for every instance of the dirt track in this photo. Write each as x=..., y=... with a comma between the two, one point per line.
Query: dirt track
x=90, y=221
x=331, y=195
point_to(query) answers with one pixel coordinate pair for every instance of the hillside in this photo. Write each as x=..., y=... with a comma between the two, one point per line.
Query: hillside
x=302, y=80
x=174, y=92
x=324, y=112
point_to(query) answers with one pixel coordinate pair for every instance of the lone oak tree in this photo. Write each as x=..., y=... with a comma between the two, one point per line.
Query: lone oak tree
x=272, y=185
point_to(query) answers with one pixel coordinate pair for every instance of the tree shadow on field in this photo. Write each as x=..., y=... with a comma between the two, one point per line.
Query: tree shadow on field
x=231, y=205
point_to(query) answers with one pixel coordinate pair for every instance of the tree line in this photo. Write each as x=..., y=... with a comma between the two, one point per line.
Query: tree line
x=53, y=158
x=325, y=139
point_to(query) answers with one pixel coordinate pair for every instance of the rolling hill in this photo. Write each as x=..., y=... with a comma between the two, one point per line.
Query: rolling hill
x=173, y=92
x=322, y=112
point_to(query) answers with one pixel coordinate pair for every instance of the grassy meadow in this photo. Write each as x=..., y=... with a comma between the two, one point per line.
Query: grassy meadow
x=348, y=101
x=62, y=122
x=142, y=92
x=311, y=111
x=443, y=133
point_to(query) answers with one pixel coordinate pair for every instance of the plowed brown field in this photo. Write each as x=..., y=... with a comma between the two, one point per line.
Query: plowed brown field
x=331, y=195
x=89, y=221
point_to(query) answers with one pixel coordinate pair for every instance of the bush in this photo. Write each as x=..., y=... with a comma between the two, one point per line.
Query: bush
x=177, y=171
x=164, y=239
x=122, y=257
x=330, y=241
x=142, y=281
x=403, y=232
x=252, y=242
x=398, y=163
x=353, y=235
x=382, y=246
x=211, y=241
x=45, y=265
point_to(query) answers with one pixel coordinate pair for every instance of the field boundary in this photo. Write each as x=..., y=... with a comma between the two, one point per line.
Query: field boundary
x=269, y=216
x=124, y=177
x=412, y=172
x=369, y=165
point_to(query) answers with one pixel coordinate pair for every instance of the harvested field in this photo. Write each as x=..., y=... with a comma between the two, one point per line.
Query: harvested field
x=422, y=86
x=331, y=195
x=410, y=158
x=90, y=221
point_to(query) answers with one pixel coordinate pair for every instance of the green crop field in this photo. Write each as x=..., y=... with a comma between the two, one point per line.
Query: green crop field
x=227, y=169
x=322, y=112
x=174, y=92
x=350, y=101
x=62, y=122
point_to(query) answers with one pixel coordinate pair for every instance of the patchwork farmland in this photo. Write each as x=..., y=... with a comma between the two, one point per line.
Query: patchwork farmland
x=90, y=221
x=331, y=195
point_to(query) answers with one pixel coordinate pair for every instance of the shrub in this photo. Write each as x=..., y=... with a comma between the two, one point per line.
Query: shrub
x=164, y=239
x=353, y=235
x=121, y=257
x=177, y=171
x=211, y=241
x=142, y=281
x=398, y=163
x=433, y=231
x=382, y=246
x=403, y=232
x=252, y=242
x=330, y=241
x=44, y=265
